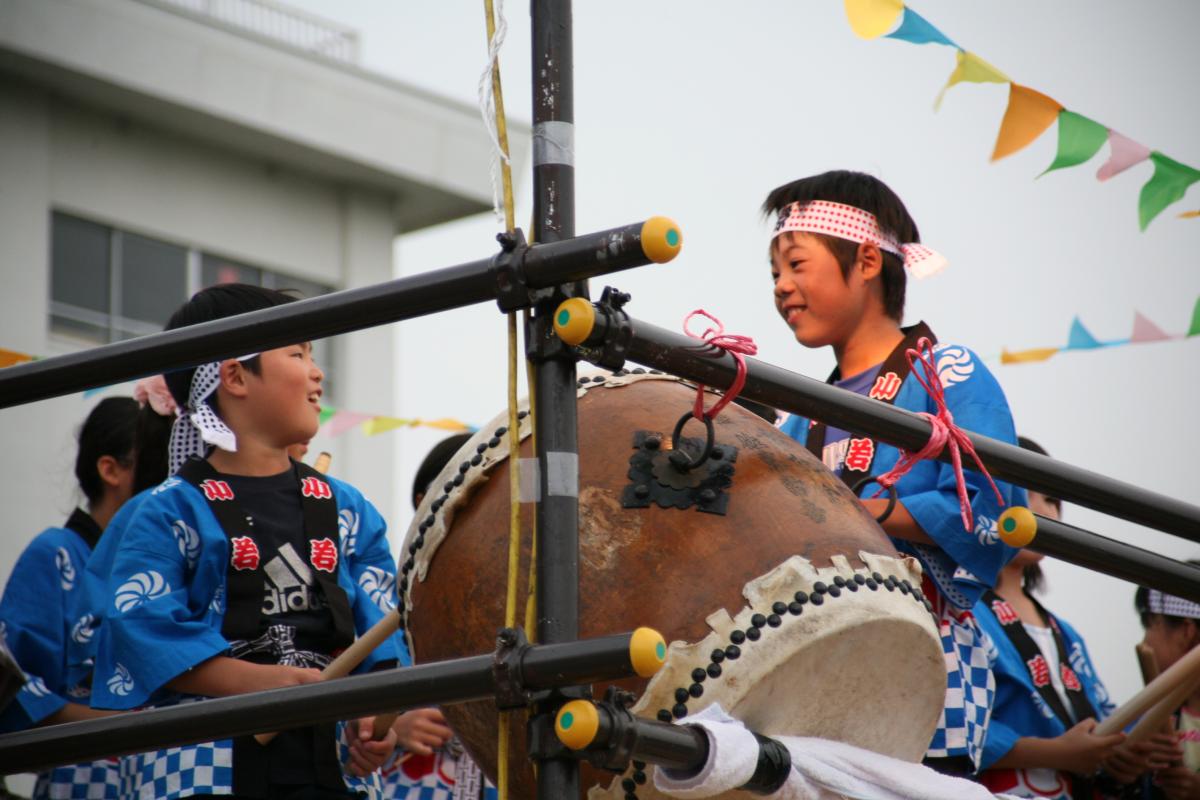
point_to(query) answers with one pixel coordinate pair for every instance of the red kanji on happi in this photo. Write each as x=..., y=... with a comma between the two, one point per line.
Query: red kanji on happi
x=216, y=490
x=859, y=454
x=244, y=553
x=886, y=387
x=315, y=487
x=1004, y=612
x=323, y=554
x=1039, y=670
x=1069, y=678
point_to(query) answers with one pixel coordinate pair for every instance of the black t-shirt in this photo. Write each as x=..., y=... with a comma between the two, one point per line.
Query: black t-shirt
x=291, y=593
x=291, y=596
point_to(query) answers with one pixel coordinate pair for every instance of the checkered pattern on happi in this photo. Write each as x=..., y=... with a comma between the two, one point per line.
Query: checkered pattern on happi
x=970, y=686
x=179, y=772
x=428, y=778
x=96, y=780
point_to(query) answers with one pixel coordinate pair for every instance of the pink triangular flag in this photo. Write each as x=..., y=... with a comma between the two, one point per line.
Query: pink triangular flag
x=1146, y=331
x=1123, y=154
x=343, y=421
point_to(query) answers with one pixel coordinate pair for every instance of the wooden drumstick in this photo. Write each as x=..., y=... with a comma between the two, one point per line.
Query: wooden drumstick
x=322, y=462
x=350, y=658
x=1147, y=661
x=1182, y=672
x=1158, y=718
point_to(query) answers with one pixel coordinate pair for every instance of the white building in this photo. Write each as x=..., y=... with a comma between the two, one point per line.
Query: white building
x=151, y=147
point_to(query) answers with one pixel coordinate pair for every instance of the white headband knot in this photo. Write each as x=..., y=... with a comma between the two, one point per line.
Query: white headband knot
x=856, y=225
x=197, y=426
x=1171, y=606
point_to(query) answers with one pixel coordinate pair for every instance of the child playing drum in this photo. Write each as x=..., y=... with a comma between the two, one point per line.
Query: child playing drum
x=841, y=245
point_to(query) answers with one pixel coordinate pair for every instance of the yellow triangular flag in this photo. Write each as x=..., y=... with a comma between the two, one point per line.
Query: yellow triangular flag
x=1028, y=115
x=1190, y=214
x=377, y=425
x=870, y=19
x=970, y=68
x=446, y=425
x=1027, y=356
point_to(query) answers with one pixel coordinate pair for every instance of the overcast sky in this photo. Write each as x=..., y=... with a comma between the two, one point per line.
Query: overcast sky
x=695, y=110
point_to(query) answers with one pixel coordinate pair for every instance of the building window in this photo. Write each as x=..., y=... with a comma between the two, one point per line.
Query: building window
x=107, y=284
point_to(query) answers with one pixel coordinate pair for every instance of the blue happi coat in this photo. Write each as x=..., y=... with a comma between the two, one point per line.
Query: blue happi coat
x=964, y=563
x=93, y=598
x=164, y=605
x=1019, y=710
x=37, y=622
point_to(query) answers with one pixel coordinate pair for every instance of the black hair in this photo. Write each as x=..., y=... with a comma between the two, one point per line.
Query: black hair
x=151, y=440
x=218, y=302
x=107, y=431
x=1032, y=577
x=870, y=194
x=434, y=462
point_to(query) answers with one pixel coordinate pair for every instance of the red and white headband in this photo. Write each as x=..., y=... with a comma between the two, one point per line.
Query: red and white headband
x=856, y=225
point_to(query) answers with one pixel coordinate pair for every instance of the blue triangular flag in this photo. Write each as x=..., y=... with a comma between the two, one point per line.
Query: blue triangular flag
x=916, y=29
x=1080, y=338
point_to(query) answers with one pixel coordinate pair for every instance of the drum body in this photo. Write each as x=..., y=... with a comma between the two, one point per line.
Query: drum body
x=784, y=601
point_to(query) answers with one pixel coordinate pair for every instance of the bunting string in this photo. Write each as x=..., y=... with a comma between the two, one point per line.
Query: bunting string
x=1030, y=113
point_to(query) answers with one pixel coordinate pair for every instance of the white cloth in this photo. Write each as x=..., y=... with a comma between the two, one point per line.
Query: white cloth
x=821, y=769
x=1044, y=639
x=197, y=426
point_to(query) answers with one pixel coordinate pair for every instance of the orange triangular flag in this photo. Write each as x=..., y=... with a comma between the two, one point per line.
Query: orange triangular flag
x=1028, y=115
x=9, y=358
x=1027, y=356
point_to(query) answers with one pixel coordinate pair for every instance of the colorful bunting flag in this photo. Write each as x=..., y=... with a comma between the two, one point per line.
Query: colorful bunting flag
x=10, y=358
x=1027, y=356
x=1171, y=180
x=379, y=425
x=916, y=29
x=1030, y=112
x=1079, y=138
x=1194, y=328
x=1123, y=154
x=870, y=19
x=1080, y=338
x=343, y=421
x=1028, y=115
x=1146, y=331
x=970, y=68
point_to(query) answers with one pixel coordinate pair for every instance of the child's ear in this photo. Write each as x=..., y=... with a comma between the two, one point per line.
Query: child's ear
x=870, y=258
x=110, y=470
x=233, y=377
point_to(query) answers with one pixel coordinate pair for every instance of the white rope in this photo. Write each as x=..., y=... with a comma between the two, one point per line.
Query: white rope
x=487, y=107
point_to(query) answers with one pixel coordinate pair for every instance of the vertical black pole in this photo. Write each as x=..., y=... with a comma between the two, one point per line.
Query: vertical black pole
x=557, y=434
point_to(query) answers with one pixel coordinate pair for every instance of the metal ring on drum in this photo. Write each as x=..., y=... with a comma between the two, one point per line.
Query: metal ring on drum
x=778, y=594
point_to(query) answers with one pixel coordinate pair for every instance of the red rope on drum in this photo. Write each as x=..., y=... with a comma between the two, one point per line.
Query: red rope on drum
x=736, y=345
x=943, y=432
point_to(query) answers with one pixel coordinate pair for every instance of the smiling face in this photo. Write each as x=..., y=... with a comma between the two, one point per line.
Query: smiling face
x=820, y=304
x=283, y=401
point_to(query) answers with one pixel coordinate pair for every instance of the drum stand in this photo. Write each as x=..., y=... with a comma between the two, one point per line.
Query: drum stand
x=549, y=277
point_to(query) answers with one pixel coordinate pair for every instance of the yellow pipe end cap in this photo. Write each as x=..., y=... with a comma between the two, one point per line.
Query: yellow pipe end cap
x=647, y=651
x=1017, y=526
x=661, y=239
x=577, y=724
x=574, y=320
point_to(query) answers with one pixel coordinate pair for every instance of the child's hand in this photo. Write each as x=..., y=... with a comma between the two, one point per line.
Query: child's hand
x=1080, y=751
x=367, y=755
x=1130, y=760
x=275, y=676
x=422, y=731
x=1178, y=783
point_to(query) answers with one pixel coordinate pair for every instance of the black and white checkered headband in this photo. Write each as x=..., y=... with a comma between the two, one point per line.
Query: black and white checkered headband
x=197, y=426
x=1171, y=606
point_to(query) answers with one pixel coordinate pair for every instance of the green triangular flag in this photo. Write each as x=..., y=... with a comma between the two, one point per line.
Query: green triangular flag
x=1079, y=138
x=1171, y=180
x=1194, y=328
x=325, y=415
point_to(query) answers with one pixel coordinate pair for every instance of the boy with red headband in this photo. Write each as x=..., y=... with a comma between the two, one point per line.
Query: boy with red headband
x=841, y=245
